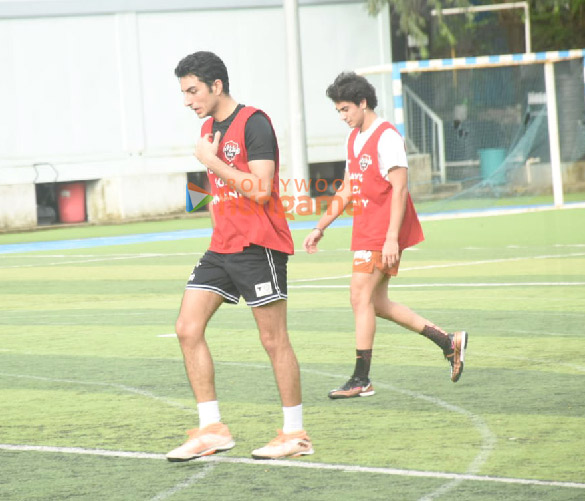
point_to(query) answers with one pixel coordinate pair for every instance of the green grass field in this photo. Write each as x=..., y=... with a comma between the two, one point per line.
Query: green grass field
x=93, y=391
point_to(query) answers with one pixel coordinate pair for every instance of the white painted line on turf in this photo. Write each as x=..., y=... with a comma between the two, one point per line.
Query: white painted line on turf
x=296, y=464
x=185, y=484
x=488, y=438
x=317, y=279
x=554, y=363
x=454, y=265
x=493, y=261
x=167, y=335
x=82, y=451
x=101, y=259
x=122, y=387
x=497, y=212
x=126, y=254
x=465, y=284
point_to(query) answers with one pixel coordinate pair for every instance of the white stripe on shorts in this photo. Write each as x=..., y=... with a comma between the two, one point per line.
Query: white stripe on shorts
x=273, y=270
x=217, y=290
x=266, y=300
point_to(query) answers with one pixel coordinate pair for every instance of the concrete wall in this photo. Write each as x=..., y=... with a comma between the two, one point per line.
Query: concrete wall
x=18, y=209
x=126, y=198
x=420, y=179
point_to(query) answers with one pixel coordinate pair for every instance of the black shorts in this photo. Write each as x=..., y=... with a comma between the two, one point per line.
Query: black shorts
x=257, y=274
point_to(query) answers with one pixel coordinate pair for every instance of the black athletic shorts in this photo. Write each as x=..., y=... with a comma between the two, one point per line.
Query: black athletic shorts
x=257, y=274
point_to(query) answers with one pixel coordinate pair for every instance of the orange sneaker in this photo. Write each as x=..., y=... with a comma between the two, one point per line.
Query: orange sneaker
x=354, y=387
x=213, y=438
x=456, y=355
x=286, y=445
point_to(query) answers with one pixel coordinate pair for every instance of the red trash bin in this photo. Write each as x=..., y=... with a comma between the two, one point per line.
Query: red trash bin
x=71, y=202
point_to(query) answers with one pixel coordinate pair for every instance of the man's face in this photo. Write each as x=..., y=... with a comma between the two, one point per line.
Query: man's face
x=351, y=113
x=199, y=97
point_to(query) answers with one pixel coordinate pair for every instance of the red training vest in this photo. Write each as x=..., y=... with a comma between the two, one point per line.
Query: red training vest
x=239, y=220
x=372, y=198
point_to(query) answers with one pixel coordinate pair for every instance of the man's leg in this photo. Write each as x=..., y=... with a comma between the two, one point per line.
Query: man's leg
x=271, y=321
x=396, y=312
x=453, y=345
x=197, y=307
x=361, y=290
x=292, y=441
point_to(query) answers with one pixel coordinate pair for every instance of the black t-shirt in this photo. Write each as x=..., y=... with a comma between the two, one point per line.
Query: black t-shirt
x=260, y=139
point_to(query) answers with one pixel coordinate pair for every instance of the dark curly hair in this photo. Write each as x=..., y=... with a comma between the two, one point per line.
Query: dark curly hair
x=349, y=86
x=206, y=66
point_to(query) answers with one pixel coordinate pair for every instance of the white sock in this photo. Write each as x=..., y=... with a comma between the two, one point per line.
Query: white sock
x=293, y=418
x=208, y=413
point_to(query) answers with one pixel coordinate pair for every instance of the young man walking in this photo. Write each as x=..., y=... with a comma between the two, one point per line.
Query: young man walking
x=247, y=257
x=385, y=223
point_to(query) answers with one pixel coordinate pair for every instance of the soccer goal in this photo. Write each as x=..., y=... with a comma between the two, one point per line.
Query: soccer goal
x=497, y=130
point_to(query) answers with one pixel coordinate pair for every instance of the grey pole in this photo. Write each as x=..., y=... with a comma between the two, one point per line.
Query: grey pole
x=297, y=141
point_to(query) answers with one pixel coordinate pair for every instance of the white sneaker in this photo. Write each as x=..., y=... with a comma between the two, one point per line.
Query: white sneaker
x=286, y=445
x=213, y=438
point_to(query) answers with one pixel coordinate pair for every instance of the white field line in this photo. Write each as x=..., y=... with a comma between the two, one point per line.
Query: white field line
x=426, y=267
x=492, y=261
x=297, y=251
x=470, y=284
x=490, y=354
x=185, y=484
x=488, y=439
x=317, y=279
x=122, y=387
x=34, y=256
x=578, y=368
x=47, y=314
x=487, y=446
x=453, y=265
x=498, y=212
x=296, y=464
x=101, y=259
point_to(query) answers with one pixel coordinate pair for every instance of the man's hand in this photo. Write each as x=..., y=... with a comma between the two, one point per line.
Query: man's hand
x=390, y=253
x=206, y=149
x=310, y=243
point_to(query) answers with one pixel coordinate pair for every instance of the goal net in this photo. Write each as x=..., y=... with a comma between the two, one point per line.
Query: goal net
x=492, y=131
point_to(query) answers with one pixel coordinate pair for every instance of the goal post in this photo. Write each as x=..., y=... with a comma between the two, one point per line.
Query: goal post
x=460, y=110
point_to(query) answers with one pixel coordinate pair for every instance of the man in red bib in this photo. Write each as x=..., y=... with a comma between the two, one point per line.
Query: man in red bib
x=384, y=224
x=247, y=257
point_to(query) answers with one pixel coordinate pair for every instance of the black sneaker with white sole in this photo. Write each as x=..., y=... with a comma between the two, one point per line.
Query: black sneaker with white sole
x=456, y=355
x=354, y=387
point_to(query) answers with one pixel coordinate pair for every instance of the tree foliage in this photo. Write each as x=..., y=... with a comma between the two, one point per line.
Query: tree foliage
x=414, y=17
x=555, y=24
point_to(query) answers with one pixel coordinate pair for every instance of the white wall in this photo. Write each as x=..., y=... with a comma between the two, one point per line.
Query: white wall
x=95, y=96
x=83, y=87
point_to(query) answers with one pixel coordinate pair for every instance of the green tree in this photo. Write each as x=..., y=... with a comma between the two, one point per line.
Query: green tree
x=555, y=25
x=414, y=18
